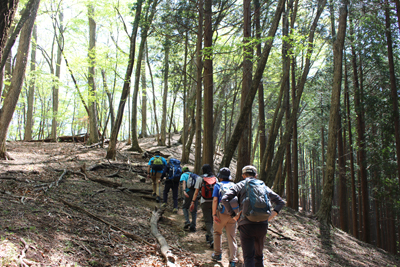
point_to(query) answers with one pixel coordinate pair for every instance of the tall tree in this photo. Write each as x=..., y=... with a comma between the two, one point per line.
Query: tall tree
x=199, y=63
x=163, y=139
x=10, y=102
x=245, y=140
x=31, y=90
x=111, y=151
x=145, y=25
x=93, y=130
x=324, y=213
x=208, y=139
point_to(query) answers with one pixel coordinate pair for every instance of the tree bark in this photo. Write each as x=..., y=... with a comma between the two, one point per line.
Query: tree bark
x=10, y=102
x=163, y=138
x=31, y=91
x=111, y=151
x=199, y=63
x=93, y=130
x=245, y=139
x=208, y=139
x=144, y=98
x=324, y=213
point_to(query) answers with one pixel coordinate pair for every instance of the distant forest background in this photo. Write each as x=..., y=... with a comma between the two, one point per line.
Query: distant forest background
x=304, y=90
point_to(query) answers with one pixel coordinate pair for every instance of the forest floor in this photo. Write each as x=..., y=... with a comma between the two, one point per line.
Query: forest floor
x=54, y=215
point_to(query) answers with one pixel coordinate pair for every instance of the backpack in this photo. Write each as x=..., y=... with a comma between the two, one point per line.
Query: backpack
x=157, y=164
x=256, y=205
x=207, y=187
x=224, y=187
x=175, y=170
x=192, y=180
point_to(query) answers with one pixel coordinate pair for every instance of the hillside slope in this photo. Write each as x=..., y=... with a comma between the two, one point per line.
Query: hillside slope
x=54, y=215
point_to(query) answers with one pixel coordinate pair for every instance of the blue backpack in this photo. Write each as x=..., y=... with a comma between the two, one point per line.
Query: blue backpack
x=256, y=205
x=175, y=170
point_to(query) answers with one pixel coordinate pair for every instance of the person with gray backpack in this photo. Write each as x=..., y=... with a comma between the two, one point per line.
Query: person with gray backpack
x=188, y=180
x=222, y=218
x=254, y=199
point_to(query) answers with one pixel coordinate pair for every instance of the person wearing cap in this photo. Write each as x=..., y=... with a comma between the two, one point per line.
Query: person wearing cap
x=155, y=175
x=252, y=234
x=205, y=203
x=223, y=220
x=188, y=193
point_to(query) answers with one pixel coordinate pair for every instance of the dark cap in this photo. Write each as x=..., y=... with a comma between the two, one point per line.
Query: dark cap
x=157, y=152
x=249, y=169
x=224, y=173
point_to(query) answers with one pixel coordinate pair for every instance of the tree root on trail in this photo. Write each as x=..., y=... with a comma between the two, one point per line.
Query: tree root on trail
x=165, y=251
x=126, y=233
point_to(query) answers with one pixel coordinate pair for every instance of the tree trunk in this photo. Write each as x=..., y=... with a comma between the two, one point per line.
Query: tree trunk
x=143, y=37
x=163, y=138
x=110, y=98
x=31, y=91
x=324, y=213
x=154, y=95
x=244, y=113
x=93, y=130
x=244, y=142
x=111, y=151
x=56, y=86
x=208, y=139
x=11, y=99
x=343, y=202
x=144, y=98
x=199, y=63
x=185, y=157
x=261, y=108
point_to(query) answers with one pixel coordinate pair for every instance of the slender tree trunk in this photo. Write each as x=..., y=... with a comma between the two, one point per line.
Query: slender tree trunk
x=261, y=108
x=244, y=142
x=93, y=130
x=199, y=62
x=31, y=92
x=111, y=152
x=154, y=94
x=324, y=213
x=165, y=94
x=343, y=203
x=109, y=96
x=185, y=157
x=208, y=139
x=10, y=102
x=144, y=98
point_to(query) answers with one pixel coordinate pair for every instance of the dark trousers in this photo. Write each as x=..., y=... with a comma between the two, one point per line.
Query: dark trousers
x=252, y=237
x=175, y=188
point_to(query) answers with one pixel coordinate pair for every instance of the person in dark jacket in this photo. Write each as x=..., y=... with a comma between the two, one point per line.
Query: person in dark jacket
x=252, y=234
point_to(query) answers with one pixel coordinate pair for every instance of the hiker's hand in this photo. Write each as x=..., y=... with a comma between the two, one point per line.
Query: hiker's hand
x=273, y=214
x=148, y=175
x=216, y=219
x=237, y=216
x=191, y=207
x=186, y=195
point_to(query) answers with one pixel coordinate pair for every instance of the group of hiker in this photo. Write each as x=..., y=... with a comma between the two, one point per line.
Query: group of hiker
x=245, y=206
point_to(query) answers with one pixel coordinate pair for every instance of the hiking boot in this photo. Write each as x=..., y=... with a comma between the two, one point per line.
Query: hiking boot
x=212, y=245
x=186, y=226
x=232, y=264
x=154, y=194
x=216, y=257
x=158, y=199
x=163, y=205
x=175, y=210
x=192, y=229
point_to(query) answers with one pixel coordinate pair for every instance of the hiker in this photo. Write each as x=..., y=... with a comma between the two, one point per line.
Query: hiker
x=254, y=215
x=155, y=169
x=172, y=178
x=188, y=180
x=205, y=183
x=222, y=219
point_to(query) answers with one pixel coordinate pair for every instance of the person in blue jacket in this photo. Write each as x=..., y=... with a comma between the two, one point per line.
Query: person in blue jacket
x=155, y=172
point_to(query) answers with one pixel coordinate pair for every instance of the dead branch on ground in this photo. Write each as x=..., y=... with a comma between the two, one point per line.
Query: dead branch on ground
x=126, y=233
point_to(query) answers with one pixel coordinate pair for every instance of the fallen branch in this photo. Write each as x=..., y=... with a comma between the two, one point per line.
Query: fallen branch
x=165, y=251
x=23, y=253
x=126, y=233
x=284, y=237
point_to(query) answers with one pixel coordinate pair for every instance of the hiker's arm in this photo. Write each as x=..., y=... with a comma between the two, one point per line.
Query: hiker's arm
x=148, y=170
x=196, y=192
x=214, y=210
x=273, y=214
x=184, y=188
x=229, y=195
x=276, y=199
